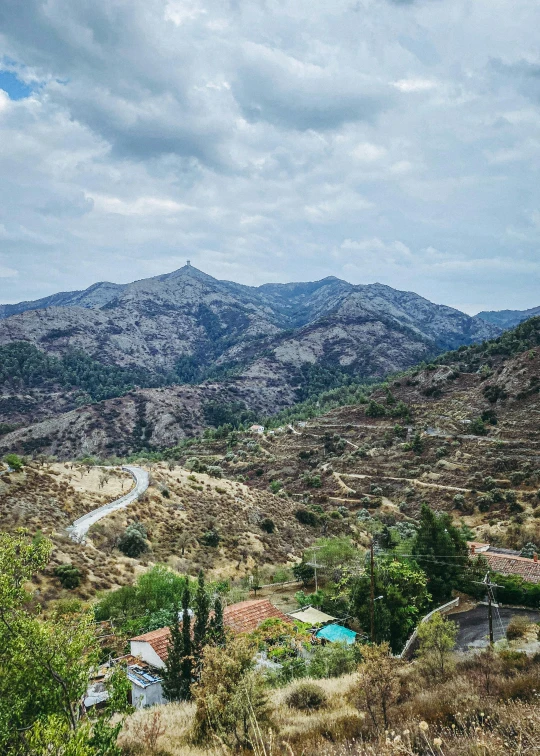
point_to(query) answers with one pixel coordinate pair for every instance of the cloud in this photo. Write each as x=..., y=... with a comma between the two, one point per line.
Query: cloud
x=336, y=138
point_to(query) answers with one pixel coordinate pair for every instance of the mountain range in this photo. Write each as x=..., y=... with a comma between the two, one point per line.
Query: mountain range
x=169, y=347
x=508, y=318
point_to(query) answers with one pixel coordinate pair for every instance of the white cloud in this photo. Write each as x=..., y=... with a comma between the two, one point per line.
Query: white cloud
x=414, y=85
x=253, y=142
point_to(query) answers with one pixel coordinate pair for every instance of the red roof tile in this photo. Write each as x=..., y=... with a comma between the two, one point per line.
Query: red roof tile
x=246, y=616
x=158, y=639
x=506, y=564
x=243, y=617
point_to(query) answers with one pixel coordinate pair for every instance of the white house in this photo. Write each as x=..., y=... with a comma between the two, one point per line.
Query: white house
x=257, y=429
x=150, y=650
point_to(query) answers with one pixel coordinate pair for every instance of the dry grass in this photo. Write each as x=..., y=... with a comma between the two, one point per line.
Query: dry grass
x=456, y=718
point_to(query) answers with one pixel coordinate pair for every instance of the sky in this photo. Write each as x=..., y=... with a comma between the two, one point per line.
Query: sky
x=268, y=140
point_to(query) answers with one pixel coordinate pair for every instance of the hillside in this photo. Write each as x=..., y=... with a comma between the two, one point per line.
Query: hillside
x=176, y=511
x=508, y=318
x=268, y=347
x=461, y=434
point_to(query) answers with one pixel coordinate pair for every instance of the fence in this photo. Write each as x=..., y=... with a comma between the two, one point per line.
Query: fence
x=409, y=646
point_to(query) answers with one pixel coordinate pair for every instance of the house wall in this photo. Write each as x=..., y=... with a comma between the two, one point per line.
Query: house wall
x=144, y=651
x=150, y=696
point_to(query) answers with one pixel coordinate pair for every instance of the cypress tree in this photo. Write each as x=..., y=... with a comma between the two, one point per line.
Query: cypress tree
x=202, y=611
x=187, y=659
x=217, y=629
x=172, y=674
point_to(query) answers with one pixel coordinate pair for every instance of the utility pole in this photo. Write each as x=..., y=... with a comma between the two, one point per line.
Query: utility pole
x=372, y=590
x=491, y=600
x=315, y=565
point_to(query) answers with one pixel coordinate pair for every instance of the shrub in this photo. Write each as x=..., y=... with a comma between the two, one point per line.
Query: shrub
x=211, y=538
x=307, y=697
x=68, y=575
x=459, y=501
x=517, y=627
x=14, y=461
x=268, y=525
x=133, y=541
x=333, y=660
x=307, y=517
x=276, y=486
x=375, y=410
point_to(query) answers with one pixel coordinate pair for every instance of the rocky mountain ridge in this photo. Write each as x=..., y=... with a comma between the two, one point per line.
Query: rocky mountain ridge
x=508, y=318
x=264, y=347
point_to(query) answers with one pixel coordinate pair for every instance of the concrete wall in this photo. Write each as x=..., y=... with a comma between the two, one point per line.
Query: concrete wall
x=143, y=650
x=150, y=696
x=410, y=646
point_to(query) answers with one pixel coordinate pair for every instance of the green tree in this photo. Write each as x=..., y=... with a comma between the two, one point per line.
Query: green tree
x=187, y=659
x=49, y=662
x=202, y=613
x=437, y=638
x=401, y=597
x=133, y=542
x=217, y=628
x=441, y=550
x=173, y=685
x=230, y=698
x=417, y=444
x=14, y=461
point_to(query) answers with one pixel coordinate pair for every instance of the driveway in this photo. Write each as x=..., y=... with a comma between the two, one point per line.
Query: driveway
x=79, y=528
x=474, y=626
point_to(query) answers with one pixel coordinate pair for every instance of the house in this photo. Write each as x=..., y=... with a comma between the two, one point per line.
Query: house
x=507, y=562
x=146, y=689
x=246, y=616
x=243, y=617
x=257, y=429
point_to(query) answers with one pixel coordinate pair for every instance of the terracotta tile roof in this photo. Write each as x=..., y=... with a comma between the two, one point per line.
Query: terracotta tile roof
x=504, y=564
x=158, y=639
x=246, y=616
x=243, y=617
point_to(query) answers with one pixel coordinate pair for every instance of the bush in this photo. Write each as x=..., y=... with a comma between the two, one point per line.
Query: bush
x=333, y=660
x=133, y=542
x=307, y=517
x=307, y=697
x=268, y=525
x=14, y=461
x=68, y=575
x=517, y=627
x=211, y=538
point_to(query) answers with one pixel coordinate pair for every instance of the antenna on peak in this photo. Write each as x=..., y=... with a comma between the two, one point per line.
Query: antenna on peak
x=188, y=263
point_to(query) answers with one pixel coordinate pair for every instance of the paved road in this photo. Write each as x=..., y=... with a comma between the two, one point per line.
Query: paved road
x=80, y=527
x=474, y=627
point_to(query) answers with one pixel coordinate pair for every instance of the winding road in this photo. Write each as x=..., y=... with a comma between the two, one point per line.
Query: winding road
x=80, y=527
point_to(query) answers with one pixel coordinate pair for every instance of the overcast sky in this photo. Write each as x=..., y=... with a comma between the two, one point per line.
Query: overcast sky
x=374, y=140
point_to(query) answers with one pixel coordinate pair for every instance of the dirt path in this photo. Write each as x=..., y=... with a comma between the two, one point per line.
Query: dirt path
x=414, y=481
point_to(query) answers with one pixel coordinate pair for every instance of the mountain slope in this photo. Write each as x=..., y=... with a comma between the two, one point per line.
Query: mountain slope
x=270, y=346
x=508, y=318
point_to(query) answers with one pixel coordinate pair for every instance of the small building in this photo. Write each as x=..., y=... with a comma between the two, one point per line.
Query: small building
x=146, y=688
x=150, y=649
x=507, y=562
x=246, y=616
x=257, y=429
x=301, y=423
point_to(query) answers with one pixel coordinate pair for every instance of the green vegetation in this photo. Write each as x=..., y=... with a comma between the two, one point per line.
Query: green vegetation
x=68, y=575
x=47, y=664
x=23, y=366
x=14, y=461
x=133, y=542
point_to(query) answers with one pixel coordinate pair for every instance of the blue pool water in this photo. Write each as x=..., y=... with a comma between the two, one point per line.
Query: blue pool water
x=336, y=634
